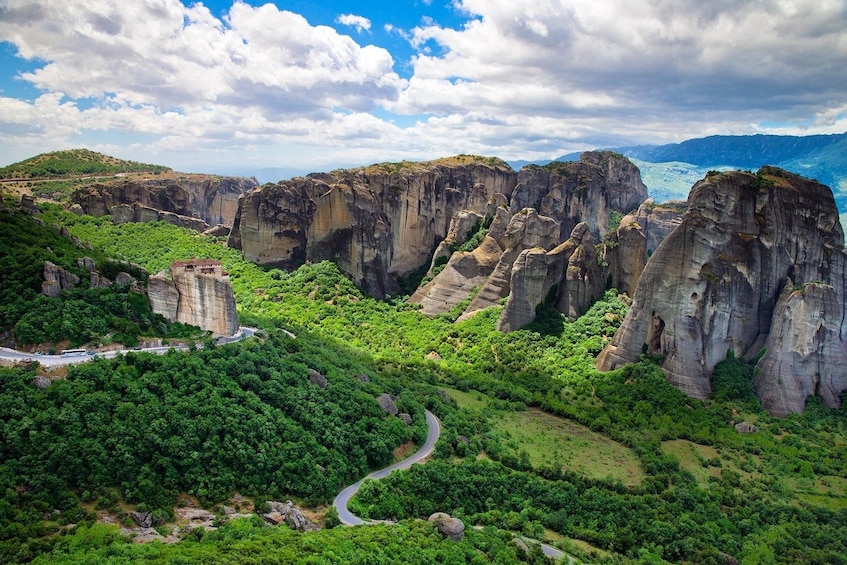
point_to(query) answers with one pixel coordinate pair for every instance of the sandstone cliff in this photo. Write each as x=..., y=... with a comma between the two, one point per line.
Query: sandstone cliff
x=546, y=206
x=639, y=233
x=587, y=191
x=376, y=222
x=198, y=293
x=719, y=282
x=210, y=200
x=571, y=268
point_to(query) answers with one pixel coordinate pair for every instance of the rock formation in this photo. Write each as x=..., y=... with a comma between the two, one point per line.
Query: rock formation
x=546, y=207
x=57, y=279
x=126, y=213
x=287, y=513
x=198, y=293
x=448, y=526
x=387, y=404
x=587, y=191
x=805, y=354
x=376, y=222
x=571, y=267
x=209, y=200
x=626, y=250
x=757, y=261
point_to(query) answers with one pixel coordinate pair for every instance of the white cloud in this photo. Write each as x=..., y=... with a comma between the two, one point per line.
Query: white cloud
x=519, y=79
x=359, y=22
x=636, y=60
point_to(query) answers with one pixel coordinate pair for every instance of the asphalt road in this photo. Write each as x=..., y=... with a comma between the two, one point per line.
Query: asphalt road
x=59, y=360
x=343, y=498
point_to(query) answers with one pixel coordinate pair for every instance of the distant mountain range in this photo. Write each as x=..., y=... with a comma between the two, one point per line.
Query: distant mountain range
x=668, y=170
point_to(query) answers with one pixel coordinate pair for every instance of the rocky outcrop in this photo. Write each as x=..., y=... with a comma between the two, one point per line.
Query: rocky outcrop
x=208, y=200
x=286, y=513
x=28, y=204
x=448, y=526
x=198, y=293
x=126, y=213
x=587, y=191
x=571, y=268
x=804, y=351
x=143, y=519
x=57, y=279
x=546, y=206
x=375, y=223
x=722, y=281
x=626, y=250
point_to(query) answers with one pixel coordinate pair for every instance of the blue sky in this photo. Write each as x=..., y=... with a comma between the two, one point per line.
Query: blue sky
x=230, y=86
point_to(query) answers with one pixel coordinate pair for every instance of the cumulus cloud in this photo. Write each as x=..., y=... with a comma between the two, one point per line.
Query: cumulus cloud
x=149, y=67
x=677, y=61
x=359, y=22
x=518, y=78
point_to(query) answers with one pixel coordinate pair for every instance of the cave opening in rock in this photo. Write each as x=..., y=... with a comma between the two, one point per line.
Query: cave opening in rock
x=654, y=336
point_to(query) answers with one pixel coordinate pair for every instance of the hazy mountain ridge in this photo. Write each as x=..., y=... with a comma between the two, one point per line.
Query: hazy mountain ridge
x=670, y=170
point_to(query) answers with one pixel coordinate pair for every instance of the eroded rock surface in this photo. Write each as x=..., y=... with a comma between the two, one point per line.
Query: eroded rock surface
x=211, y=200
x=197, y=293
x=375, y=223
x=720, y=282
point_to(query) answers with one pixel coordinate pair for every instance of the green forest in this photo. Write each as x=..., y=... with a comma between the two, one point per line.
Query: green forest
x=74, y=162
x=616, y=467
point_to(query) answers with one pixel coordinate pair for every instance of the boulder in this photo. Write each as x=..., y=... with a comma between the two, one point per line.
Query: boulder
x=317, y=379
x=447, y=526
x=41, y=382
x=143, y=519
x=387, y=404
x=406, y=418
x=96, y=280
x=287, y=513
x=28, y=204
x=123, y=278
x=745, y=428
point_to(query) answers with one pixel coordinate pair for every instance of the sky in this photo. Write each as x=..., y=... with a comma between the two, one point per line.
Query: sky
x=221, y=86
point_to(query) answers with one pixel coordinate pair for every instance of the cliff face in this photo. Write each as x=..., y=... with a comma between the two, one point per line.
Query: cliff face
x=198, y=293
x=637, y=237
x=584, y=191
x=212, y=200
x=376, y=223
x=717, y=283
x=571, y=266
x=547, y=206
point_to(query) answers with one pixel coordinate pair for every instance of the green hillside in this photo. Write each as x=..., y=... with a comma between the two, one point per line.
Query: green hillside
x=615, y=467
x=74, y=162
x=81, y=316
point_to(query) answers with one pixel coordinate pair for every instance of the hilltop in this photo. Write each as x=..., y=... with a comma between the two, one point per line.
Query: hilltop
x=74, y=162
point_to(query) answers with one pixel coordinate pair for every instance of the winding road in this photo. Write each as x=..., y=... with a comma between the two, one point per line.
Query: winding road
x=343, y=498
x=340, y=503
x=433, y=433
